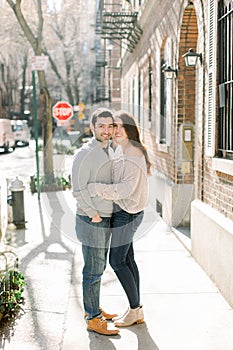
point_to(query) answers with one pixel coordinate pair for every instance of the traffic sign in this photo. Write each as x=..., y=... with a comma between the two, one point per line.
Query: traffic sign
x=81, y=106
x=62, y=111
x=39, y=62
x=81, y=116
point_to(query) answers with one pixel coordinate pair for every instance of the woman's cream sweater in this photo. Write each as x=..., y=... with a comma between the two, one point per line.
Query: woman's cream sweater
x=130, y=184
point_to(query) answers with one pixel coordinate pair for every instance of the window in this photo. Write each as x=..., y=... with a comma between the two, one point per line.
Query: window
x=150, y=90
x=225, y=78
x=211, y=102
x=163, y=103
x=166, y=91
x=140, y=99
x=133, y=95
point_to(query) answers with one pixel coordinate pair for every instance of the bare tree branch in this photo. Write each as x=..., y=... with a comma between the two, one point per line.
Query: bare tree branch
x=16, y=7
x=40, y=24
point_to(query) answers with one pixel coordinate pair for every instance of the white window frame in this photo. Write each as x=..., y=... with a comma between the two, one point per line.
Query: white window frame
x=169, y=85
x=211, y=95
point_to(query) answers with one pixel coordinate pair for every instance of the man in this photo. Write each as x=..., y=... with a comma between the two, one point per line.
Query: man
x=92, y=164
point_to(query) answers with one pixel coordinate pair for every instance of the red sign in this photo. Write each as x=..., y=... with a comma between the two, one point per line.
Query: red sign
x=62, y=111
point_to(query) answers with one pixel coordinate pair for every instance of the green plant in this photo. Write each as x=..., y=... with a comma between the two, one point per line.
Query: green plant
x=11, y=288
x=63, y=149
x=59, y=183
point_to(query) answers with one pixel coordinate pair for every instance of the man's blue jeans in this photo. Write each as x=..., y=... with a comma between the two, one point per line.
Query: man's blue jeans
x=124, y=226
x=95, y=257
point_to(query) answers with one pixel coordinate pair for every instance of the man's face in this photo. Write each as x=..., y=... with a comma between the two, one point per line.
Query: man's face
x=103, y=129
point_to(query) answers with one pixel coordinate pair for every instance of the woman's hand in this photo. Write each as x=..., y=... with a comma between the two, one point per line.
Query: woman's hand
x=96, y=218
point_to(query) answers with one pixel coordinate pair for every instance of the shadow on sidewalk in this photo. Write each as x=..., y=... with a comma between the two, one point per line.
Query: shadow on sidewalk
x=144, y=340
x=46, y=263
x=143, y=336
x=100, y=342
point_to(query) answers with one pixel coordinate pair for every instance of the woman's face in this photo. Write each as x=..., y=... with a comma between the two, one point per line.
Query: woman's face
x=119, y=134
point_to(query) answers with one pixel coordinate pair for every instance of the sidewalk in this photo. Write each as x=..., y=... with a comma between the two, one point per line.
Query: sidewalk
x=183, y=309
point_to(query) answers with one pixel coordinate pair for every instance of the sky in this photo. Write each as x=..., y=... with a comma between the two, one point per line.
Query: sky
x=54, y=4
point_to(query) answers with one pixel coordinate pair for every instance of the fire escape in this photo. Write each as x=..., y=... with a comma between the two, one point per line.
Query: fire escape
x=119, y=27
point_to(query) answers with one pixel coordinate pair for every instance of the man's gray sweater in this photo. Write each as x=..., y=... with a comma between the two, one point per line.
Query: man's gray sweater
x=91, y=164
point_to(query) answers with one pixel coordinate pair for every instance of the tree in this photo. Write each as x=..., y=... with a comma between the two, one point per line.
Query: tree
x=65, y=28
x=71, y=29
x=65, y=34
x=13, y=52
x=34, y=36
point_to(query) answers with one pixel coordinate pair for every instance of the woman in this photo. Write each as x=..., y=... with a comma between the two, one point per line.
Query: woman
x=129, y=192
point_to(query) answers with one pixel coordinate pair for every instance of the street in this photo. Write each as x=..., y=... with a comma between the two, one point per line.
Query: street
x=20, y=162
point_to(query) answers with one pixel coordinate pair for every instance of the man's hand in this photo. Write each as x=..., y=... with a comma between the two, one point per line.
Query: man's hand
x=96, y=218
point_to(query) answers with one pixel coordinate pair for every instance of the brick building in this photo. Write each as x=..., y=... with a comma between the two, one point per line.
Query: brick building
x=186, y=121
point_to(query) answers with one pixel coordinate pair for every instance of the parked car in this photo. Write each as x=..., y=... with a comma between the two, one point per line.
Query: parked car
x=7, y=139
x=21, y=132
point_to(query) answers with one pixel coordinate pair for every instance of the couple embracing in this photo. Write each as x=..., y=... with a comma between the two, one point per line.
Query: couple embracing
x=109, y=181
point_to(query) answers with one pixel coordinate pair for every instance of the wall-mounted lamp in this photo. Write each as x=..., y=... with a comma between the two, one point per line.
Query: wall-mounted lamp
x=191, y=58
x=170, y=73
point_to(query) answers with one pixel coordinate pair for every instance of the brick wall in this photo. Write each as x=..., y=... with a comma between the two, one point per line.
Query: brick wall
x=190, y=90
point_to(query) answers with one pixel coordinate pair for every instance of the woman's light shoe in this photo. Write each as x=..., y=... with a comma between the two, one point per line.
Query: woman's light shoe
x=131, y=317
x=116, y=318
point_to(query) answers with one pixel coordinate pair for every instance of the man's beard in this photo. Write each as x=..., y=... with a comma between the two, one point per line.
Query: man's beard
x=102, y=139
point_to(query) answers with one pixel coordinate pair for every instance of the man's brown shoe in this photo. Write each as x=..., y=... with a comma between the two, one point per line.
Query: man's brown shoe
x=107, y=316
x=100, y=325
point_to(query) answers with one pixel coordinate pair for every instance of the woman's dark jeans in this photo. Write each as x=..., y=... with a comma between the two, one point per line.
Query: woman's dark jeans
x=121, y=258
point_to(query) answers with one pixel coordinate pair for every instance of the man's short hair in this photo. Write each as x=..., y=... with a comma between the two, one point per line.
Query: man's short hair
x=101, y=113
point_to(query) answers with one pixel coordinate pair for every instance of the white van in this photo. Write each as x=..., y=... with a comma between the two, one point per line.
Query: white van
x=7, y=139
x=21, y=132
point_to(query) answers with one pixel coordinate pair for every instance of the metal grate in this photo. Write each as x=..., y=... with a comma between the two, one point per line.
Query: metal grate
x=101, y=93
x=119, y=26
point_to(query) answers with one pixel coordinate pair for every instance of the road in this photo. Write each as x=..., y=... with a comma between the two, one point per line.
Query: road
x=21, y=163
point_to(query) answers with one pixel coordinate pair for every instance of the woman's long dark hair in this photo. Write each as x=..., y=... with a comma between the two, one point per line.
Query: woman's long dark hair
x=133, y=134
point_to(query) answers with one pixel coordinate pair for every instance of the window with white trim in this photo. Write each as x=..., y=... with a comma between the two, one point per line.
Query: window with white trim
x=163, y=103
x=225, y=79
x=150, y=89
x=165, y=96
x=211, y=102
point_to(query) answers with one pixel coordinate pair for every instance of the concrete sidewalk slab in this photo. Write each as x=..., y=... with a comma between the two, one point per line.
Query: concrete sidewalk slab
x=183, y=308
x=45, y=257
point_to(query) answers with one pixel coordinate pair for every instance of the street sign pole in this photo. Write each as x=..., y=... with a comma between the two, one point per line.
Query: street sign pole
x=37, y=63
x=35, y=123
